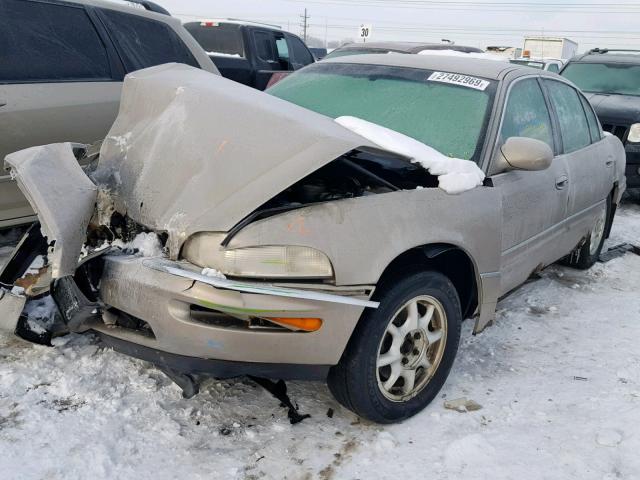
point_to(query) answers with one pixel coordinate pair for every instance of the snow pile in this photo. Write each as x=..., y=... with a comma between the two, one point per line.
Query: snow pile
x=454, y=174
x=147, y=244
x=455, y=53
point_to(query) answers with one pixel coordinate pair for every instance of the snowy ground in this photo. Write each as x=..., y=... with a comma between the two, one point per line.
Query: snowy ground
x=558, y=378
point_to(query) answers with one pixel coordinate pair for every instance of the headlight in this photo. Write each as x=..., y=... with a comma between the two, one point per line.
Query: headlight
x=276, y=261
x=634, y=133
x=273, y=261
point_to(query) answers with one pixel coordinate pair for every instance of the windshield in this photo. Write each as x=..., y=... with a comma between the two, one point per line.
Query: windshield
x=355, y=51
x=217, y=38
x=444, y=112
x=615, y=78
x=528, y=63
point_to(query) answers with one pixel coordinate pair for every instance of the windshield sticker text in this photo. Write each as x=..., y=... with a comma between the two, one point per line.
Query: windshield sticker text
x=457, y=79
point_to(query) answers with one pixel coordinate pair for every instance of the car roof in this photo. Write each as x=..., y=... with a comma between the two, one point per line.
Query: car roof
x=491, y=69
x=608, y=56
x=124, y=6
x=407, y=47
x=238, y=22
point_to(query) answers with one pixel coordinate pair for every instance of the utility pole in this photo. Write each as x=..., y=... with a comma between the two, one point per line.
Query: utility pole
x=304, y=25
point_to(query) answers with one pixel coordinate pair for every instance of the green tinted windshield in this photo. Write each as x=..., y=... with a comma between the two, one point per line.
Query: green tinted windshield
x=448, y=117
x=616, y=78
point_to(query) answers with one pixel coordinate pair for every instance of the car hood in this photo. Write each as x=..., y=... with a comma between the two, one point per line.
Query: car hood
x=191, y=151
x=616, y=109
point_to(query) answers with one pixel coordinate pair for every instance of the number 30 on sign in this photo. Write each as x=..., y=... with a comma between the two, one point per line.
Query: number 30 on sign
x=364, y=31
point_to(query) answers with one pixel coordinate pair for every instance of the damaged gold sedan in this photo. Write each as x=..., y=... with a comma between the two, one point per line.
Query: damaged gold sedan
x=315, y=231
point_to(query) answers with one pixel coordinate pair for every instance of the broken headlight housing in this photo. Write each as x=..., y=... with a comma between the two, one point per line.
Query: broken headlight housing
x=270, y=261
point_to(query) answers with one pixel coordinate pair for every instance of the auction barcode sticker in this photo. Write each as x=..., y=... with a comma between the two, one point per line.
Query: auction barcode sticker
x=457, y=79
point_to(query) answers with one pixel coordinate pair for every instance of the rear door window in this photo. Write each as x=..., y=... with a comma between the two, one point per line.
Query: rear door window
x=266, y=46
x=47, y=42
x=526, y=113
x=143, y=42
x=573, y=121
x=301, y=55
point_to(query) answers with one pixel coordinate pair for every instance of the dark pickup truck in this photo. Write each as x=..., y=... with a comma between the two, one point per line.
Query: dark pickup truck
x=250, y=53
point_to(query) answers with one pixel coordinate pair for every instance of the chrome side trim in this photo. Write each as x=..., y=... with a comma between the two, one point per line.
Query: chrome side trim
x=176, y=268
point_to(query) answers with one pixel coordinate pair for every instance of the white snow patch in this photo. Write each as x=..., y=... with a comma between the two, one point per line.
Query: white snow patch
x=212, y=272
x=455, y=175
x=147, y=244
x=222, y=54
x=121, y=140
x=455, y=53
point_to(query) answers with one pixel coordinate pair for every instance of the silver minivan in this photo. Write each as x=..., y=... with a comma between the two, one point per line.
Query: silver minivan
x=61, y=69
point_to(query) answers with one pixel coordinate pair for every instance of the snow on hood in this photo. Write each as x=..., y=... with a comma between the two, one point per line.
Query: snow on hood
x=191, y=151
x=454, y=174
x=456, y=53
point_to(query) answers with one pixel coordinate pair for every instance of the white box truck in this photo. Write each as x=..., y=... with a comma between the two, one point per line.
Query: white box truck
x=549, y=47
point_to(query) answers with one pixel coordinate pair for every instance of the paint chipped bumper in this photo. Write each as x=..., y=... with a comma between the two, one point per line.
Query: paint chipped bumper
x=171, y=297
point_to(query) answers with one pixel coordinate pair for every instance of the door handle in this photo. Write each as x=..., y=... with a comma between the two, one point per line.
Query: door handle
x=609, y=163
x=2, y=104
x=562, y=182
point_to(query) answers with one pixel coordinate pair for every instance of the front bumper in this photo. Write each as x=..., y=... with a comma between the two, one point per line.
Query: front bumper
x=145, y=289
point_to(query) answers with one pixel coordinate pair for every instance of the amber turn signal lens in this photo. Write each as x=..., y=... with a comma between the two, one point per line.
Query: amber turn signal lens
x=304, y=324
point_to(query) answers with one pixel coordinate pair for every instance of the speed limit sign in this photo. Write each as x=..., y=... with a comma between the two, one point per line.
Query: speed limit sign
x=365, y=31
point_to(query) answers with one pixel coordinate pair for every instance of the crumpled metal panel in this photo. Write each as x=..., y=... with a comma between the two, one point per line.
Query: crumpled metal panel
x=191, y=151
x=61, y=194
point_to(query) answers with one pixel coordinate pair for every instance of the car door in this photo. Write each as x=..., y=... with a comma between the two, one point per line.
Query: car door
x=57, y=84
x=591, y=171
x=534, y=203
x=271, y=55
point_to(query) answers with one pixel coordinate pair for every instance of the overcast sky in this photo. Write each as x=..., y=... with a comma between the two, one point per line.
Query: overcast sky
x=591, y=23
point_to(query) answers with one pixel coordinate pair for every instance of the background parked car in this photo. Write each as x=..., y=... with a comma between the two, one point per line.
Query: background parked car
x=550, y=64
x=611, y=80
x=318, y=53
x=61, y=69
x=396, y=47
x=248, y=52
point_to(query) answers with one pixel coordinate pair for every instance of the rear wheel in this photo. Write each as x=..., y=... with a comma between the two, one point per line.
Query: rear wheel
x=587, y=254
x=401, y=353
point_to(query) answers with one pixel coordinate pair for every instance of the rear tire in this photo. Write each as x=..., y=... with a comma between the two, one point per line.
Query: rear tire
x=400, y=354
x=585, y=256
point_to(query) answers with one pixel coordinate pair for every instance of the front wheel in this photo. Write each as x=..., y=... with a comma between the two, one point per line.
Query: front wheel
x=400, y=354
x=586, y=255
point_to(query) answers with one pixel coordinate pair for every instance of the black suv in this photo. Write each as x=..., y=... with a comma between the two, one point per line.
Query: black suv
x=611, y=81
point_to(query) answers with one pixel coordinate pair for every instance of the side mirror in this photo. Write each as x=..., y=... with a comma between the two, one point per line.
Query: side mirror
x=522, y=153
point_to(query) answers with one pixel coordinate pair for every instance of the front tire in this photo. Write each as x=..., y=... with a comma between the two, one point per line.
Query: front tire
x=585, y=256
x=400, y=354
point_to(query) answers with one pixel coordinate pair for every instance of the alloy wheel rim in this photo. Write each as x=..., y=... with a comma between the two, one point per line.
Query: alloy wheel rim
x=411, y=348
x=597, y=232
